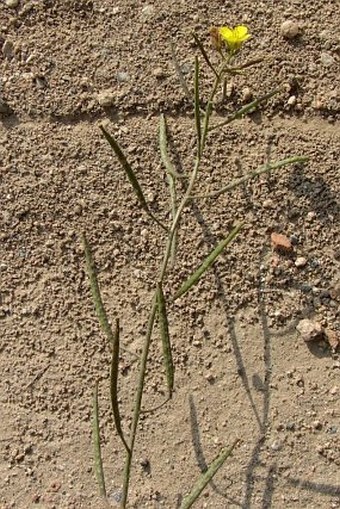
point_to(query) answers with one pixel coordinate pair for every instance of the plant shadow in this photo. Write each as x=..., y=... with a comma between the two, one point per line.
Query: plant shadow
x=322, y=199
x=260, y=384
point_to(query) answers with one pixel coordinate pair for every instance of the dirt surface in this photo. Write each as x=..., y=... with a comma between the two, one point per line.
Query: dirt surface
x=242, y=370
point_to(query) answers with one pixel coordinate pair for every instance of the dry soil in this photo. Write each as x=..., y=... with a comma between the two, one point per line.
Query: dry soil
x=242, y=371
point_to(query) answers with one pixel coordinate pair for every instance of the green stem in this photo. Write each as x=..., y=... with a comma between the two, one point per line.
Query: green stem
x=245, y=109
x=138, y=403
x=163, y=269
x=262, y=169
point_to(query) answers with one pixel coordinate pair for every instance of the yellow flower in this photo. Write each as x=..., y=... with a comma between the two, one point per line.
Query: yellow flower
x=234, y=37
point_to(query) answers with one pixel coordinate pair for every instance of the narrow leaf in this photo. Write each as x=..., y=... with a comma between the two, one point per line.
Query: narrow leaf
x=204, y=53
x=138, y=401
x=130, y=174
x=208, y=262
x=254, y=61
x=96, y=442
x=126, y=166
x=114, y=385
x=206, y=477
x=265, y=168
x=96, y=295
x=245, y=109
x=197, y=107
x=171, y=176
x=164, y=328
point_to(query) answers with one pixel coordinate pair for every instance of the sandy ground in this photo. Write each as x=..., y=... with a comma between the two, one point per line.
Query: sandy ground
x=242, y=370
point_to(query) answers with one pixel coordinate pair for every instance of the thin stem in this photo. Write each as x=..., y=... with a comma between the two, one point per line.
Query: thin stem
x=245, y=109
x=164, y=265
x=138, y=402
x=224, y=90
x=225, y=79
x=209, y=106
x=262, y=169
x=204, y=54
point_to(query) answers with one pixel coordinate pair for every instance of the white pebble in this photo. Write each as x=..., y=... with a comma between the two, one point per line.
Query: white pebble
x=292, y=100
x=148, y=11
x=289, y=29
x=122, y=76
x=12, y=3
x=301, y=261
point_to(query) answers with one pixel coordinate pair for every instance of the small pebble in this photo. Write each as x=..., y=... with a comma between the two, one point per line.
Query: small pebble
x=294, y=239
x=292, y=100
x=301, y=261
x=332, y=430
x=325, y=35
x=334, y=390
x=289, y=29
x=210, y=378
x=247, y=94
x=318, y=104
x=276, y=445
x=158, y=73
x=310, y=330
x=281, y=242
x=267, y=204
x=148, y=11
x=327, y=60
x=122, y=76
x=8, y=49
x=145, y=463
x=105, y=98
x=187, y=68
x=230, y=89
x=116, y=496
x=12, y=3
x=334, y=292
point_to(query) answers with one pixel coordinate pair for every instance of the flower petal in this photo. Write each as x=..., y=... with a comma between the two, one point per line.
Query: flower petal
x=227, y=33
x=241, y=33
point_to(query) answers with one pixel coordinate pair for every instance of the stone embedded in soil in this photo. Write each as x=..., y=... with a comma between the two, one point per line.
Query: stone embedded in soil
x=105, y=98
x=268, y=203
x=281, y=242
x=247, y=94
x=122, y=77
x=289, y=29
x=147, y=11
x=158, y=73
x=310, y=330
x=333, y=338
x=334, y=292
x=327, y=60
x=8, y=49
